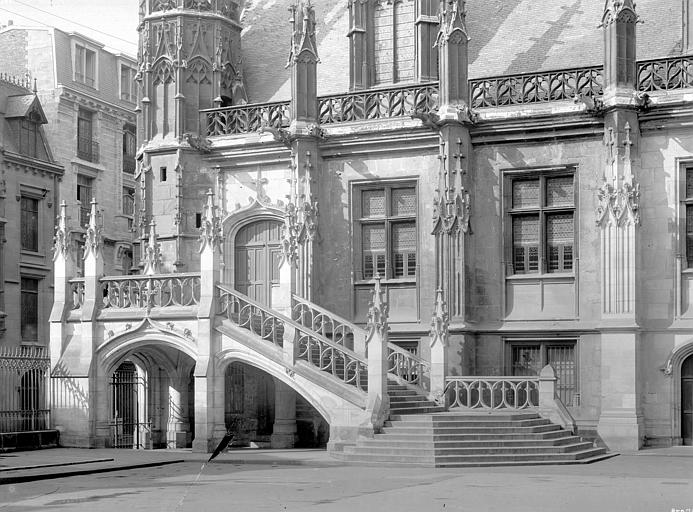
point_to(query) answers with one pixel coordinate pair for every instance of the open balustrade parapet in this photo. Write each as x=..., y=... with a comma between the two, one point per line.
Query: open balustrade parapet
x=665, y=74
x=155, y=291
x=492, y=393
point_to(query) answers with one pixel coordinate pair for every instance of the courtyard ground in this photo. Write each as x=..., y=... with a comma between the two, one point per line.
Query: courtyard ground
x=309, y=480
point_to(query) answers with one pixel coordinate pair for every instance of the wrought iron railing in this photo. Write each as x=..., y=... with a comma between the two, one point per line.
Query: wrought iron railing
x=401, y=363
x=25, y=385
x=492, y=393
x=536, y=87
x=665, y=74
x=245, y=118
x=76, y=294
x=378, y=103
x=158, y=291
x=309, y=346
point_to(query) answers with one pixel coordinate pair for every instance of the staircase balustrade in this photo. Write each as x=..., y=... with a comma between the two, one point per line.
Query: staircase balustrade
x=492, y=393
x=158, y=291
x=401, y=363
x=77, y=293
x=310, y=346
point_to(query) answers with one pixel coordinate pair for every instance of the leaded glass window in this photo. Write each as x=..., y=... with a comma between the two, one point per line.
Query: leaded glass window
x=542, y=225
x=689, y=216
x=388, y=238
x=29, y=223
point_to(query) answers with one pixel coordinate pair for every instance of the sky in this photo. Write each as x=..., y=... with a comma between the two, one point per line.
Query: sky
x=111, y=22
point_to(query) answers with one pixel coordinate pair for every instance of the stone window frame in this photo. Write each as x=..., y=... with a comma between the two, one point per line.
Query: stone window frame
x=544, y=343
x=543, y=211
x=686, y=202
x=37, y=293
x=128, y=94
x=388, y=220
x=84, y=79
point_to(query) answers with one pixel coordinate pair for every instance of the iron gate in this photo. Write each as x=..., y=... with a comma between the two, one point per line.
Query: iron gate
x=127, y=429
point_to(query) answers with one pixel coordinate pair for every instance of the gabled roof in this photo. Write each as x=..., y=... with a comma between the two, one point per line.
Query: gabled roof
x=25, y=105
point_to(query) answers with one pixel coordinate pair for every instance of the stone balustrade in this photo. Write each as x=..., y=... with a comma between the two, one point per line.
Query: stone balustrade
x=156, y=291
x=665, y=74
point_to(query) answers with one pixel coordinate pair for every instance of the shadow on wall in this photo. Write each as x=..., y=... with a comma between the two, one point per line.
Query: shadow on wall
x=266, y=41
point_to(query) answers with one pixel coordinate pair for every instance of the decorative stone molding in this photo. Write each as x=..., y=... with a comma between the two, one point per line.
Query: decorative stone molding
x=152, y=252
x=452, y=206
x=619, y=10
x=440, y=320
x=211, y=234
x=377, y=312
x=453, y=29
x=304, y=47
x=619, y=194
x=93, y=238
x=61, y=240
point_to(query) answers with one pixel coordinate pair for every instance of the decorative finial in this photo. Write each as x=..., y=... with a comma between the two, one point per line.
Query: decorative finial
x=439, y=320
x=152, y=256
x=93, y=239
x=377, y=312
x=210, y=231
x=60, y=240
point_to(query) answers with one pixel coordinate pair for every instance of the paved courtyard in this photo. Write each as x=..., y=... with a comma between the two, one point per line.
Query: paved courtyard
x=659, y=480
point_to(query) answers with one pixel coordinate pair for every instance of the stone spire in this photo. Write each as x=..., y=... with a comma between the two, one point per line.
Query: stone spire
x=377, y=312
x=152, y=252
x=303, y=59
x=93, y=239
x=453, y=60
x=210, y=232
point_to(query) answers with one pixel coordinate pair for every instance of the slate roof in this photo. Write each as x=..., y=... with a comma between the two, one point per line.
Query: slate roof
x=21, y=105
x=507, y=37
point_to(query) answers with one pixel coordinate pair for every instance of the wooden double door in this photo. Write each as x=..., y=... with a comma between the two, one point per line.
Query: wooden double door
x=257, y=254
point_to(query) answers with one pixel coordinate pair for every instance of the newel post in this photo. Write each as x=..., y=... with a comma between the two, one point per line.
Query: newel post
x=93, y=265
x=210, y=256
x=376, y=347
x=550, y=405
x=63, y=270
x=439, y=346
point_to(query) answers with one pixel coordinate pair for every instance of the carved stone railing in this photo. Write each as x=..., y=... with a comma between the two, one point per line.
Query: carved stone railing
x=157, y=291
x=245, y=118
x=665, y=74
x=407, y=366
x=492, y=393
x=309, y=345
x=378, y=103
x=327, y=324
x=228, y=8
x=536, y=87
x=77, y=293
x=401, y=363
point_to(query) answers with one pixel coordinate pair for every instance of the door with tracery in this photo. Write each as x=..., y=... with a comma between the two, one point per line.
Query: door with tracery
x=257, y=253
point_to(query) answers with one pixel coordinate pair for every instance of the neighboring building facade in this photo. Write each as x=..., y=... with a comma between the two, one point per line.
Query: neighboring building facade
x=559, y=235
x=29, y=184
x=89, y=98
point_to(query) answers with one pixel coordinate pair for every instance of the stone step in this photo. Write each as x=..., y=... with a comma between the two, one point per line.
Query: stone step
x=463, y=430
x=453, y=435
x=559, y=437
x=380, y=447
x=472, y=417
x=408, y=398
x=419, y=410
x=475, y=424
x=426, y=458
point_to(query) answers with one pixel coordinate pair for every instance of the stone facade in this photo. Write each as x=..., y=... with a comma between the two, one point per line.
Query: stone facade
x=539, y=216
x=89, y=98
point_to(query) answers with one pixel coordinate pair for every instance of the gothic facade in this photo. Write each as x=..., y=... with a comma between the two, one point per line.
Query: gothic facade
x=448, y=195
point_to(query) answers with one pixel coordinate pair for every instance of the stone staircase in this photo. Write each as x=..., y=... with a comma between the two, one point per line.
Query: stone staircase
x=421, y=433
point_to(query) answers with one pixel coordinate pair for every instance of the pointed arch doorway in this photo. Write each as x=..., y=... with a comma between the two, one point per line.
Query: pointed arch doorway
x=257, y=253
x=687, y=401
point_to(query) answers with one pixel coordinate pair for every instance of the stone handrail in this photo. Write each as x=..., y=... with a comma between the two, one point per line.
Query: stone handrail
x=309, y=345
x=156, y=291
x=665, y=74
x=378, y=103
x=76, y=293
x=401, y=363
x=245, y=118
x=536, y=87
x=492, y=393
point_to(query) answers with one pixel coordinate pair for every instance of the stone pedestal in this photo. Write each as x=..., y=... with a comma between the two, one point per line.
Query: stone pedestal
x=284, y=430
x=621, y=421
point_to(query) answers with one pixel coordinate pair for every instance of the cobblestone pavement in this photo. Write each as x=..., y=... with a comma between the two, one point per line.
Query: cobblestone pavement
x=655, y=480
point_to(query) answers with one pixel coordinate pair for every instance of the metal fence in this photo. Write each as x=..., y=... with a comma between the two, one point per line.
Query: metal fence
x=24, y=389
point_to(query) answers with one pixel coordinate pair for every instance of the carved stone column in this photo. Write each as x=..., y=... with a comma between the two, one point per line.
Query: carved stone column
x=376, y=347
x=360, y=47
x=621, y=419
x=439, y=348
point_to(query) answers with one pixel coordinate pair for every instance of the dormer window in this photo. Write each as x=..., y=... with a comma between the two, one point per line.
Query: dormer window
x=29, y=138
x=25, y=116
x=85, y=65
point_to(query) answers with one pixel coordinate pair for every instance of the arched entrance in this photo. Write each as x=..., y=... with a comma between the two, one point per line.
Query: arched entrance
x=151, y=399
x=265, y=412
x=257, y=253
x=687, y=401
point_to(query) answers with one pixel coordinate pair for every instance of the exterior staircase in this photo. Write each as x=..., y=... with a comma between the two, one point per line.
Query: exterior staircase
x=421, y=433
